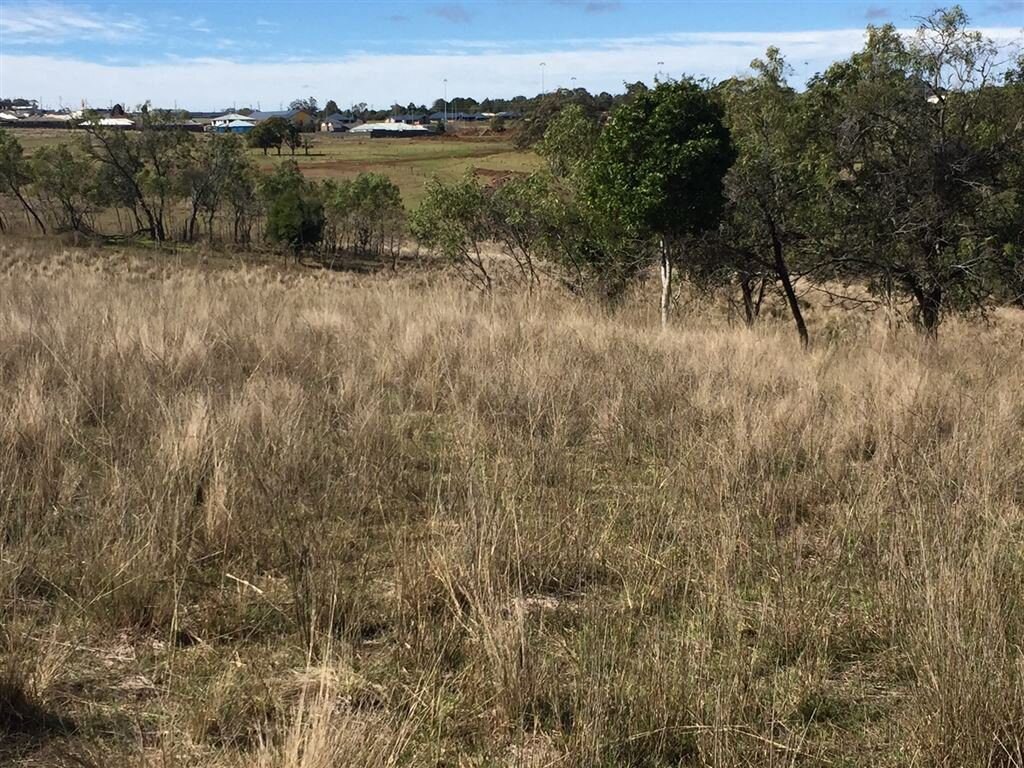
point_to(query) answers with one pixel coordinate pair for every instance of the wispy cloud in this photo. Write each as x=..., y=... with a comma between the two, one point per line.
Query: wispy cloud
x=199, y=25
x=456, y=13
x=53, y=23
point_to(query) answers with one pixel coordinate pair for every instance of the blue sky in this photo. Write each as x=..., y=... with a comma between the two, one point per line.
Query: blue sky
x=209, y=55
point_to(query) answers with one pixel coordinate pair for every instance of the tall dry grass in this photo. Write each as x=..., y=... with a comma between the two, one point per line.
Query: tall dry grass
x=264, y=517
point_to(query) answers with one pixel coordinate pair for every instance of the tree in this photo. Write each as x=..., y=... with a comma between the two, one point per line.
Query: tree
x=908, y=145
x=66, y=182
x=453, y=221
x=569, y=141
x=210, y=170
x=331, y=108
x=144, y=166
x=366, y=213
x=293, y=137
x=308, y=106
x=547, y=108
x=770, y=193
x=295, y=212
x=268, y=134
x=659, y=165
x=16, y=174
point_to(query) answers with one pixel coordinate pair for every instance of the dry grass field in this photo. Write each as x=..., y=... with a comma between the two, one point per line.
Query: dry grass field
x=271, y=517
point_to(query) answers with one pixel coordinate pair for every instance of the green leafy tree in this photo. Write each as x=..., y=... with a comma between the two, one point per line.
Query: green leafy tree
x=16, y=174
x=293, y=137
x=144, y=166
x=66, y=182
x=210, y=169
x=770, y=211
x=659, y=167
x=569, y=141
x=295, y=211
x=367, y=215
x=269, y=134
x=908, y=142
x=452, y=220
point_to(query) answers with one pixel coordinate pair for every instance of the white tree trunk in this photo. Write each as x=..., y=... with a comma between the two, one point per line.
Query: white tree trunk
x=666, y=285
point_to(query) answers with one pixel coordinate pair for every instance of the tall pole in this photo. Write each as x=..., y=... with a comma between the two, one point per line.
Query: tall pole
x=658, y=73
x=543, y=64
x=446, y=103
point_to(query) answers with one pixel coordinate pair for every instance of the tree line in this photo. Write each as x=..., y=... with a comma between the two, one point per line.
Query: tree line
x=899, y=169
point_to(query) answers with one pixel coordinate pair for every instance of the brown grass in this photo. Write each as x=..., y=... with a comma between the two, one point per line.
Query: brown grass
x=254, y=516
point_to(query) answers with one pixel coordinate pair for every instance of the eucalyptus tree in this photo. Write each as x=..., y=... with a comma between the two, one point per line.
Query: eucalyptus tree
x=66, y=182
x=772, y=200
x=210, y=168
x=16, y=174
x=144, y=165
x=658, y=169
x=907, y=140
x=453, y=221
x=366, y=213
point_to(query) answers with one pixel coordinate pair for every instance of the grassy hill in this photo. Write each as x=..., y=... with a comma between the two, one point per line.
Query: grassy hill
x=271, y=517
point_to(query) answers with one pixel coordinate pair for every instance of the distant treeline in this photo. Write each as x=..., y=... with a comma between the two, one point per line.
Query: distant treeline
x=899, y=170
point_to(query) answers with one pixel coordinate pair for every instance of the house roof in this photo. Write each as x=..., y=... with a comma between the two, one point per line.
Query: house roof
x=286, y=114
x=116, y=122
x=231, y=116
x=368, y=127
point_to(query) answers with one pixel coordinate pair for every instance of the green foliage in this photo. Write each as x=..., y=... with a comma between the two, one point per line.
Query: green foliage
x=915, y=147
x=366, y=213
x=295, y=212
x=268, y=134
x=569, y=140
x=15, y=173
x=660, y=162
x=453, y=221
x=547, y=108
x=67, y=182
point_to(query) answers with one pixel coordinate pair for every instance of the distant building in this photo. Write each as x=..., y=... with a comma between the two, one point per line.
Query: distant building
x=111, y=122
x=407, y=119
x=338, y=123
x=222, y=121
x=392, y=130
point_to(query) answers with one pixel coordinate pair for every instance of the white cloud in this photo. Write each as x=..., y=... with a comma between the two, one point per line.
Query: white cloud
x=383, y=78
x=57, y=23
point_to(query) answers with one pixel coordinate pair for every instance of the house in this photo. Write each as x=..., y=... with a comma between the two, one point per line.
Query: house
x=235, y=126
x=407, y=119
x=338, y=123
x=302, y=119
x=111, y=122
x=231, y=117
x=392, y=130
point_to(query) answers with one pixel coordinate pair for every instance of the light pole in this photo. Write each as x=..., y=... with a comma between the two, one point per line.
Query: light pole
x=573, y=79
x=446, y=103
x=543, y=64
x=656, y=74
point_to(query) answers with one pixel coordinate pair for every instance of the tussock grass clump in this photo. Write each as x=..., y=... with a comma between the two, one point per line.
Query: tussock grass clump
x=264, y=517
